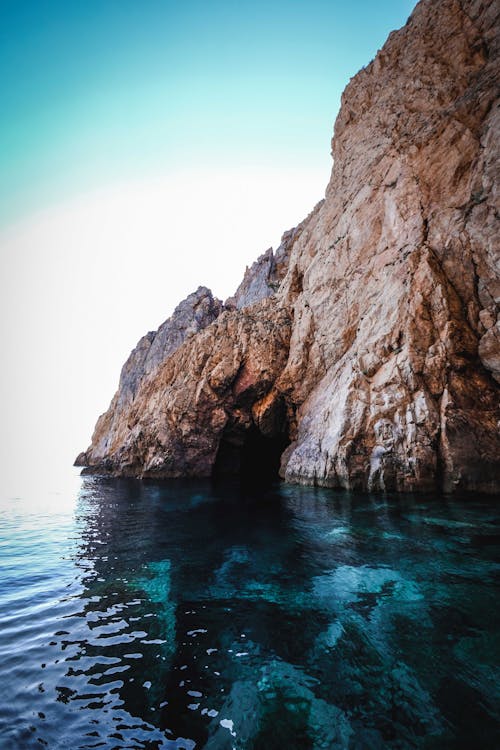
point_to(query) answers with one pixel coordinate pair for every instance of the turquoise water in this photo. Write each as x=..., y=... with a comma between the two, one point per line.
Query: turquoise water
x=188, y=615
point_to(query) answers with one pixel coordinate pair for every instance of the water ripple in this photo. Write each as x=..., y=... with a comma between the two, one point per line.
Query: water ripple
x=186, y=616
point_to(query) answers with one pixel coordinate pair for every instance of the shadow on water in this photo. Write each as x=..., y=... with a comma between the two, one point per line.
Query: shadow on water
x=227, y=615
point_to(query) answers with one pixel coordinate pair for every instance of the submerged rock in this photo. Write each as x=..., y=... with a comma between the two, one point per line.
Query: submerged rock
x=368, y=343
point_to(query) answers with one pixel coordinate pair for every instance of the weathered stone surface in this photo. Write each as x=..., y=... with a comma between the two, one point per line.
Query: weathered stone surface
x=81, y=459
x=489, y=350
x=404, y=254
x=378, y=352
x=264, y=276
x=192, y=315
x=206, y=389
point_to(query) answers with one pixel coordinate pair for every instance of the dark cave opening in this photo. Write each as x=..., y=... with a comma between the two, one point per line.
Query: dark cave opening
x=251, y=456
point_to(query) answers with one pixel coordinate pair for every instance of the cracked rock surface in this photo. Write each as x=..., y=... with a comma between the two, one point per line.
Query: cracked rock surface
x=371, y=338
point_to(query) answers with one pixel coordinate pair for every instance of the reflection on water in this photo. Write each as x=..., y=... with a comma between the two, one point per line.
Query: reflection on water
x=187, y=615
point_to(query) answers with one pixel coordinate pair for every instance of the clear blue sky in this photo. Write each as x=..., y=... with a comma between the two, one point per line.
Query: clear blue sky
x=102, y=90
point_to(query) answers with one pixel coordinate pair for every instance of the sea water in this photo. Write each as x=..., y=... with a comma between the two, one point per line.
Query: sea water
x=198, y=615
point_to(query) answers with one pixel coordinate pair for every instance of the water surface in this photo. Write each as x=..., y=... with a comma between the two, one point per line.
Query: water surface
x=192, y=615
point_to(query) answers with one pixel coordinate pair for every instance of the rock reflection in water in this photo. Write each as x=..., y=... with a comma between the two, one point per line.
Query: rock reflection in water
x=196, y=615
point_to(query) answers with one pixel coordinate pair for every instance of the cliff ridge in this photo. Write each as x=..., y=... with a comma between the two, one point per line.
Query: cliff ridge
x=365, y=352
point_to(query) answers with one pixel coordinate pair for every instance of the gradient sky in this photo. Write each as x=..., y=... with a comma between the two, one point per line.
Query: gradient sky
x=148, y=147
x=110, y=89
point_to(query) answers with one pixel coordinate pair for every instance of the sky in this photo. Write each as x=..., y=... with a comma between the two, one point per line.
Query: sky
x=148, y=147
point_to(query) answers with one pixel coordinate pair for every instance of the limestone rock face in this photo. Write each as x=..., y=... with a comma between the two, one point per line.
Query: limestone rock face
x=213, y=385
x=370, y=340
x=192, y=315
x=263, y=277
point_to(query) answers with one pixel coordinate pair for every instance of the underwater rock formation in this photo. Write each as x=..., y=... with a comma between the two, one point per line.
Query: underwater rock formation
x=364, y=353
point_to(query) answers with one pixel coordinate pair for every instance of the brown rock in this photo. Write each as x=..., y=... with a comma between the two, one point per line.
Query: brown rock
x=264, y=276
x=204, y=390
x=375, y=358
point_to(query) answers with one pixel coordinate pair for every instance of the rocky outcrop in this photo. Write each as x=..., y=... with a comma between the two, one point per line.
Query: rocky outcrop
x=263, y=278
x=211, y=389
x=192, y=315
x=370, y=343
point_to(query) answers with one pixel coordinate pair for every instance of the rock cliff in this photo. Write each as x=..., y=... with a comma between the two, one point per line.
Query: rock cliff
x=365, y=352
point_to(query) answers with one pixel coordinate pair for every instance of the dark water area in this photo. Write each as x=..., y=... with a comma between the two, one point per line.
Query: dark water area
x=193, y=615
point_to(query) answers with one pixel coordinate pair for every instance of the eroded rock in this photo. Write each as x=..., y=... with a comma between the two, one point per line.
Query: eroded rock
x=369, y=341
x=264, y=276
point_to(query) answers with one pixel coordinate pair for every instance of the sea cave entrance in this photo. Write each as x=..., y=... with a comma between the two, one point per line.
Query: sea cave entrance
x=250, y=455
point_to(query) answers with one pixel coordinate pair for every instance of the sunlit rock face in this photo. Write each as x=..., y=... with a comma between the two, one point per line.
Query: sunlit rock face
x=192, y=315
x=369, y=342
x=263, y=278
